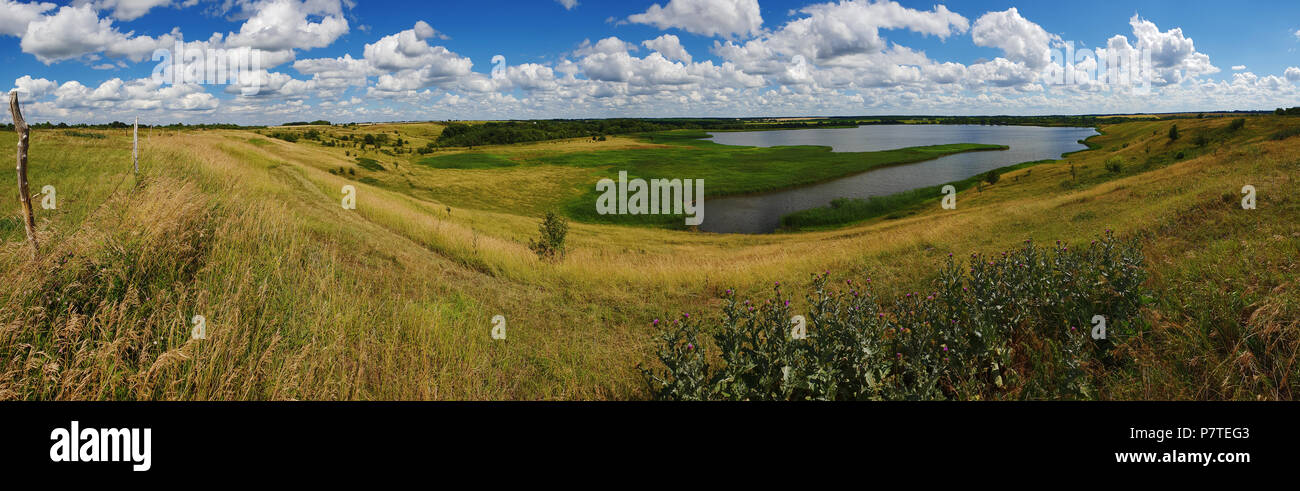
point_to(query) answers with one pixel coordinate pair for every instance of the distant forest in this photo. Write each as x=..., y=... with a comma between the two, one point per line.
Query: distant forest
x=504, y=132
x=507, y=132
x=496, y=133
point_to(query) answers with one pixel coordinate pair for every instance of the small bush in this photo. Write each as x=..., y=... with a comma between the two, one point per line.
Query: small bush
x=285, y=135
x=369, y=164
x=1237, y=124
x=1114, y=165
x=1012, y=326
x=991, y=177
x=1286, y=133
x=82, y=134
x=1173, y=133
x=550, y=245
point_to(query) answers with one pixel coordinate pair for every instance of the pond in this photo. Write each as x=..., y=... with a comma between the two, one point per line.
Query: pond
x=761, y=213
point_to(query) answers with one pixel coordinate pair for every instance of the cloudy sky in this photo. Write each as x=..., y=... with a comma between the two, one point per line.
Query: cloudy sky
x=382, y=60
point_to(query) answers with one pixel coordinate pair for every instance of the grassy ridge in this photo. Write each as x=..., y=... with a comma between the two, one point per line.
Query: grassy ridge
x=393, y=300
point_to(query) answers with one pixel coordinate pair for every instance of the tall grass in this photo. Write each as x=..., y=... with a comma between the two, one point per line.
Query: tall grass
x=393, y=300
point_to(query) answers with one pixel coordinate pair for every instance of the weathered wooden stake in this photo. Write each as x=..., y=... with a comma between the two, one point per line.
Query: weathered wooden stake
x=135, y=148
x=20, y=127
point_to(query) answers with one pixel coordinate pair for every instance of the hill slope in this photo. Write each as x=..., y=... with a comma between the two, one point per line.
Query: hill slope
x=303, y=299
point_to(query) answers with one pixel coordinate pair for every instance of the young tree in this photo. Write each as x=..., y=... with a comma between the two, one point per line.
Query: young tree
x=1173, y=132
x=550, y=246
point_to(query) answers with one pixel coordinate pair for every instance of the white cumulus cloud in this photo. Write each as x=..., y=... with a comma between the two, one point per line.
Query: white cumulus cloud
x=14, y=16
x=73, y=32
x=670, y=46
x=291, y=24
x=1021, y=40
x=704, y=17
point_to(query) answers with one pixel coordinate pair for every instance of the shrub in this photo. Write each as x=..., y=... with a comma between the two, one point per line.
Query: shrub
x=1286, y=133
x=550, y=245
x=285, y=135
x=82, y=134
x=369, y=164
x=1173, y=132
x=1237, y=124
x=1114, y=165
x=1010, y=326
x=991, y=177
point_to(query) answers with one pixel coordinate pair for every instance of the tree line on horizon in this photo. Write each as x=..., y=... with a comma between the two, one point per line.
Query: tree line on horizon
x=460, y=134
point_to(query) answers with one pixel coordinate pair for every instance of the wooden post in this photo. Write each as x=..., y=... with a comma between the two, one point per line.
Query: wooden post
x=135, y=148
x=20, y=127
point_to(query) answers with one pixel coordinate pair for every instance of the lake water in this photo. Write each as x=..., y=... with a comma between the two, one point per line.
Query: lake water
x=761, y=213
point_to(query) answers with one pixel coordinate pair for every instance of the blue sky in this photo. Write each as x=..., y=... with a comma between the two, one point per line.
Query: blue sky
x=89, y=60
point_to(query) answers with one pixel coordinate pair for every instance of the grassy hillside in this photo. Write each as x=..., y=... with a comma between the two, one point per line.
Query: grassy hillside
x=306, y=300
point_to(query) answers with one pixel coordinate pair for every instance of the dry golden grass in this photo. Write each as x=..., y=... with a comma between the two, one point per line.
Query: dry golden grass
x=306, y=300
